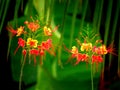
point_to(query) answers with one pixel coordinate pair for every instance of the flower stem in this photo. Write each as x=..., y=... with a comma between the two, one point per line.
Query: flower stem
x=92, y=77
x=21, y=73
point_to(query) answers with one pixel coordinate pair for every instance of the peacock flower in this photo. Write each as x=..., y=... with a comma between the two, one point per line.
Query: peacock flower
x=20, y=30
x=47, y=45
x=74, y=50
x=100, y=50
x=32, y=43
x=82, y=57
x=103, y=49
x=34, y=52
x=86, y=46
x=41, y=50
x=21, y=43
x=33, y=26
x=47, y=31
x=97, y=59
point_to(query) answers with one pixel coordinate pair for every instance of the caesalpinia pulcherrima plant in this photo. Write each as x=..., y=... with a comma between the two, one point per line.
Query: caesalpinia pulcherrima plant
x=90, y=49
x=35, y=38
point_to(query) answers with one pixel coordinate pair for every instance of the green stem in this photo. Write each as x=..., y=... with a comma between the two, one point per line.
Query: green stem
x=107, y=24
x=62, y=31
x=73, y=23
x=49, y=12
x=1, y=7
x=21, y=74
x=16, y=11
x=83, y=16
x=9, y=44
x=100, y=14
x=39, y=71
x=92, y=85
x=4, y=14
x=96, y=12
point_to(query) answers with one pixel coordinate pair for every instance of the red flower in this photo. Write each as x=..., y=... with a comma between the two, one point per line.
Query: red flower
x=74, y=51
x=41, y=52
x=21, y=43
x=24, y=52
x=82, y=57
x=33, y=26
x=97, y=59
x=34, y=52
x=100, y=50
x=46, y=45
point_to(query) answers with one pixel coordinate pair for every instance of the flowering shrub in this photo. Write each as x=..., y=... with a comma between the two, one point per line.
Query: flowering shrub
x=35, y=38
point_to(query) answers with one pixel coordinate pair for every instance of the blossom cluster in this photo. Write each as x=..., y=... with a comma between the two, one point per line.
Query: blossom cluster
x=34, y=37
x=89, y=53
x=88, y=48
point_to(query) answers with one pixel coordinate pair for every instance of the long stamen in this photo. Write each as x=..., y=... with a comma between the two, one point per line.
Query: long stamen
x=16, y=49
x=66, y=48
x=111, y=49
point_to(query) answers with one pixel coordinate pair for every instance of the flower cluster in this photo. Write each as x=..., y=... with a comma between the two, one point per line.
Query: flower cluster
x=89, y=53
x=34, y=38
x=90, y=49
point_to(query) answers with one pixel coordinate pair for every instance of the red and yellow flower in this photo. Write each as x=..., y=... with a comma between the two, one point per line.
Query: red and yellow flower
x=20, y=30
x=74, y=51
x=89, y=53
x=47, y=31
x=32, y=42
x=86, y=46
x=100, y=50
